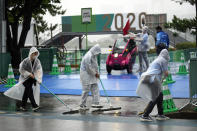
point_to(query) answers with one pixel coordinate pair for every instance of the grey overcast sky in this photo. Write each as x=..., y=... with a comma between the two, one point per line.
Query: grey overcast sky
x=125, y=6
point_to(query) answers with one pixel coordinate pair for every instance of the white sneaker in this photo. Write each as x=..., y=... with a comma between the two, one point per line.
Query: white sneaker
x=161, y=118
x=35, y=108
x=84, y=108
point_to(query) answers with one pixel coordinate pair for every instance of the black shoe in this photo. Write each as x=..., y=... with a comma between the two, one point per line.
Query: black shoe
x=83, y=107
x=23, y=109
x=144, y=118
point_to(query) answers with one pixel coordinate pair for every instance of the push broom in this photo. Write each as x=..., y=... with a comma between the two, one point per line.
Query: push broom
x=108, y=101
x=70, y=110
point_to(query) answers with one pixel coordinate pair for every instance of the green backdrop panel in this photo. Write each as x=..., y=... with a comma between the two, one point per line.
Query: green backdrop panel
x=77, y=26
x=193, y=77
x=5, y=60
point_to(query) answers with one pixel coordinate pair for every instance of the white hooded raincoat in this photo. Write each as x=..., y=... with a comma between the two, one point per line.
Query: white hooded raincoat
x=149, y=86
x=25, y=69
x=89, y=66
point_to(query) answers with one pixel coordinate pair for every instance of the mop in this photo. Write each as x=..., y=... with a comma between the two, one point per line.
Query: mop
x=108, y=101
x=70, y=110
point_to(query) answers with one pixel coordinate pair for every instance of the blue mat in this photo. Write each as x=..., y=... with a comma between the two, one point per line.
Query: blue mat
x=116, y=85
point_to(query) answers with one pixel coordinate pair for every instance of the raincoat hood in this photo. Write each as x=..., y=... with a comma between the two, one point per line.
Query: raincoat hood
x=95, y=50
x=89, y=66
x=164, y=54
x=33, y=50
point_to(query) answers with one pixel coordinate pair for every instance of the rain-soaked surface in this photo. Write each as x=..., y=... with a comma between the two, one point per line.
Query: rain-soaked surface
x=50, y=118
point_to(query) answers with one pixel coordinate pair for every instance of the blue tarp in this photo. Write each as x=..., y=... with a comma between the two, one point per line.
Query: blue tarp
x=116, y=85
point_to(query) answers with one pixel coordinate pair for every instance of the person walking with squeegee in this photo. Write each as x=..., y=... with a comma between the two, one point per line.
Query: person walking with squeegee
x=28, y=86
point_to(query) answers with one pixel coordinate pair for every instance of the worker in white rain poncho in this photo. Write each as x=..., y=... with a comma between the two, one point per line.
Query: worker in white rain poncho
x=150, y=86
x=89, y=77
x=30, y=70
x=143, y=47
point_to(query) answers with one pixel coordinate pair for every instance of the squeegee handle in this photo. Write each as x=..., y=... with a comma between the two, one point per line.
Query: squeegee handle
x=53, y=94
x=105, y=92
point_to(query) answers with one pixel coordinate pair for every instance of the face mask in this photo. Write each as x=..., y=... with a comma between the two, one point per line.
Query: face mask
x=33, y=57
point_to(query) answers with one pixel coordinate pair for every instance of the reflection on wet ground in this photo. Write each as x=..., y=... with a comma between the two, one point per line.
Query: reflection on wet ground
x=50, y=117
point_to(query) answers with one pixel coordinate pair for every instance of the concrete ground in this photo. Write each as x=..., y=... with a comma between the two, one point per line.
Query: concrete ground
x=50, y=117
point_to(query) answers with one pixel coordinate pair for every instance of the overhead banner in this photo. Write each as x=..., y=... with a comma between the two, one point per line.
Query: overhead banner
x=104, y=22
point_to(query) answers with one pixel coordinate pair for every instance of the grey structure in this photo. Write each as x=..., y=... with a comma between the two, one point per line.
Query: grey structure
x=2, y=27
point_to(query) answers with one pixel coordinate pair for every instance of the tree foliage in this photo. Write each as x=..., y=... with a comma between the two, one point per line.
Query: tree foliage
x=192, y=2
x=22, y=12
x=52, y=28
x=184, y=24
x=181, y=24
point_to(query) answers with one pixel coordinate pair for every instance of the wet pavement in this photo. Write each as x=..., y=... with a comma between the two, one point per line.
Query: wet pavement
x=90, y=123
x=50, y=117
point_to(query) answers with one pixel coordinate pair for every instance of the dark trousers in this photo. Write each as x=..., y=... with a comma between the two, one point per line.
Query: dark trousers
x=160, y=47
x=159, y=102
x=28, y=93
